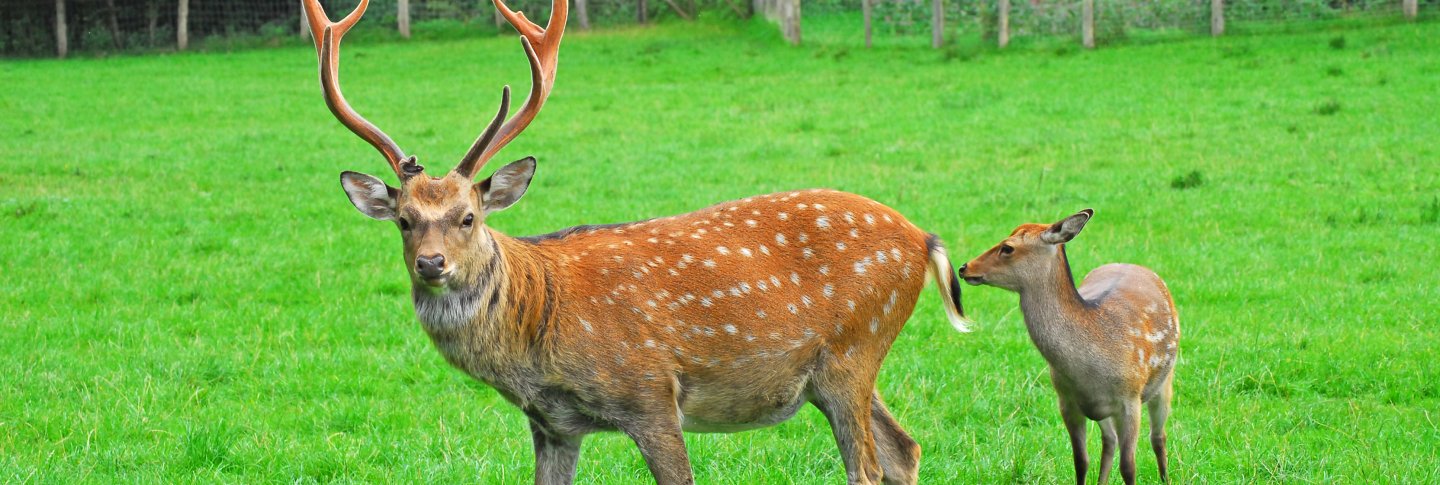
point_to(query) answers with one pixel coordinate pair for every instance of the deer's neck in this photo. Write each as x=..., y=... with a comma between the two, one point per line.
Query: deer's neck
x=1054, y=311
x=497, y=316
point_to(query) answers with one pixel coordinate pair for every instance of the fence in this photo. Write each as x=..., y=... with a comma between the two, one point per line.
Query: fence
x=59, y=27
x=1098, y=21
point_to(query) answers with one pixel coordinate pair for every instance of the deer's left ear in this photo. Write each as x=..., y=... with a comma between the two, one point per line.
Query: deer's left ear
x=1065, y=230
x=504, y=187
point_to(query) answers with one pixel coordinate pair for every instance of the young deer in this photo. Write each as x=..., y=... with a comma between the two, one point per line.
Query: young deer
x=1111, y=344
x=719, y=320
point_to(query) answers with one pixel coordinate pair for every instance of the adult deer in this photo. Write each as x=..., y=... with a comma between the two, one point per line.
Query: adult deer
x=724, y=319
x=1111, y=343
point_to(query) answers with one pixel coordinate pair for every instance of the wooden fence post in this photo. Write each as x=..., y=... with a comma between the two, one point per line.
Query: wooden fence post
x=182, y=25
x=790, y=14
x=1087, y=23
x=62, y=34
x=582, y=14
x=111, y=20
x=1004, y=34
x=642, y=13
x=1217, y=18
x=402, y=17
x=1411, y=9
x=865, y=7
x=937, y=23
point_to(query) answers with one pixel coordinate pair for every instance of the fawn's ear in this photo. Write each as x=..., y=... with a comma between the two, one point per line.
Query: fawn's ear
x=371, y=196
x=504, y=187
x=1065, y=230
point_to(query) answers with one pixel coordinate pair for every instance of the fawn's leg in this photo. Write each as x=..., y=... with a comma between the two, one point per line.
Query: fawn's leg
x=1159, y=412
x=1075, y=424
x=1107, y=450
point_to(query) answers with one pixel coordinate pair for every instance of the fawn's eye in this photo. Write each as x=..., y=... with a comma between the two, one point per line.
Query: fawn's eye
x=404, y=224
x=1005, y=249
x=469, y=221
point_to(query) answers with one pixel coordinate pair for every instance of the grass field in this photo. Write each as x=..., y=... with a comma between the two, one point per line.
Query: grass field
x=189, y=297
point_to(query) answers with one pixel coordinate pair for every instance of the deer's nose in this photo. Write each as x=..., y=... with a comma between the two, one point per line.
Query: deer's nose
x=963, y=267
x=430, y=267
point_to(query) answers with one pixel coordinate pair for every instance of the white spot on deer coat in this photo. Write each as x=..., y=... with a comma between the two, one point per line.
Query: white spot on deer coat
x=822, y=222
x=722, y=250
x=1155, y=337
x=829, y=290
x=780, y=239
x=874, y=324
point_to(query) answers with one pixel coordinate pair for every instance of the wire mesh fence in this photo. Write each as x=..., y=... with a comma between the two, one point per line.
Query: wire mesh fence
x=1112, y=19
x=32, y=28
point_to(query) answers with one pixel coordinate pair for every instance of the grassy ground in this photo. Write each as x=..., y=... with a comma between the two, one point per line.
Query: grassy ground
x=174, y=306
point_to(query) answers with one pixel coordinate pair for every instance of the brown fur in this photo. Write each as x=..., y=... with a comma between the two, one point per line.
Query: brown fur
x=1111, y=343
x=719, y=320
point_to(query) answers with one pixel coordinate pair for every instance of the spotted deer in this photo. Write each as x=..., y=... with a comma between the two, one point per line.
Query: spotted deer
x=724, y=319
x=1111, y=343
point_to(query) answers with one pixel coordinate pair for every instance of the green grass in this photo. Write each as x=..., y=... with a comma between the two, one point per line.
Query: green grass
x=188, y=296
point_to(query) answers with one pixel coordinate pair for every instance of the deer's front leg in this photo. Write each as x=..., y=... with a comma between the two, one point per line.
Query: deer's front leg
x=662, y=445
x=1075, y=425
x=555, y=456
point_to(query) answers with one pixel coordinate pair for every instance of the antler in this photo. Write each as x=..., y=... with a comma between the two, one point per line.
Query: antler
x=327, y=37
x=542, y=47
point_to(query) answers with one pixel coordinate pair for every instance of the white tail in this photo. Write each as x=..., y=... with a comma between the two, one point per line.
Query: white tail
x=944, y=277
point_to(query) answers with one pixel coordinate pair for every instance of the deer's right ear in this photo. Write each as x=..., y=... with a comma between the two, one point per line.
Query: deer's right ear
x=370, y=195
x=1065, y=230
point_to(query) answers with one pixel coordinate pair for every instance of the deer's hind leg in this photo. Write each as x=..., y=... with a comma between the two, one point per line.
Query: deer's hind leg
x=897, y=452
x=1159, y=408
x=842, y=391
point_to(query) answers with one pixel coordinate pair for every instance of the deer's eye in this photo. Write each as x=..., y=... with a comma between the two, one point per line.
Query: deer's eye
x=404, y=224
x=469, y=221
x=1005, y=249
